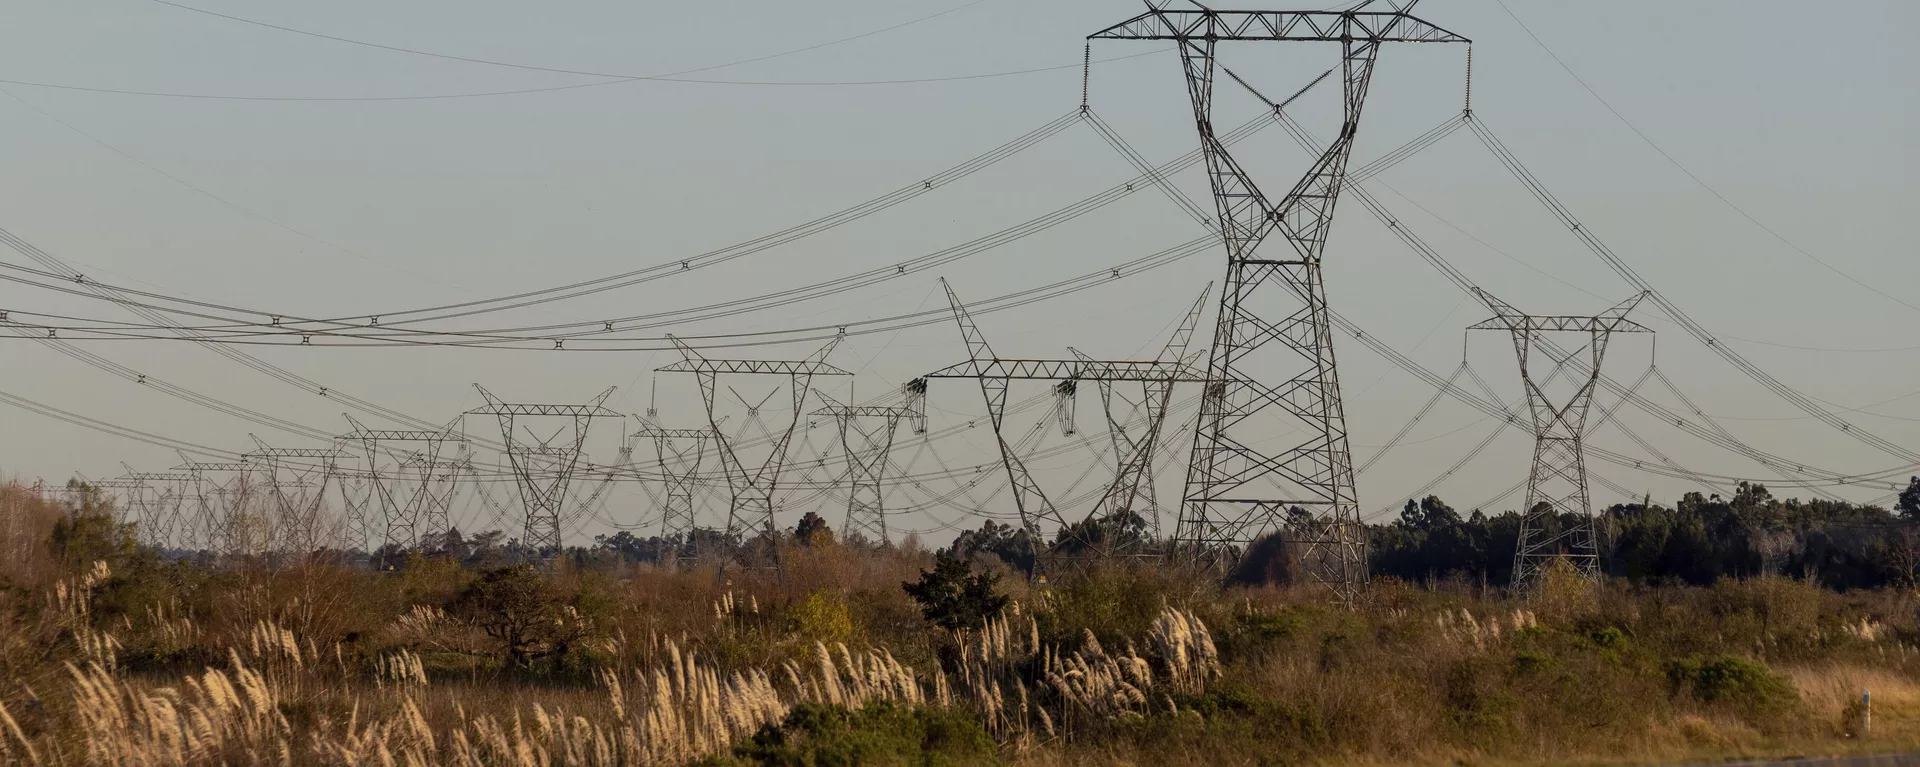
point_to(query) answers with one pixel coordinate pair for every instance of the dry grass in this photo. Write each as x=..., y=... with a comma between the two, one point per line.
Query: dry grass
x=134, y=662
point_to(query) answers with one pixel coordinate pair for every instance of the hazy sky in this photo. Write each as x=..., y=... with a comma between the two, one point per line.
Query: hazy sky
x=330, y=207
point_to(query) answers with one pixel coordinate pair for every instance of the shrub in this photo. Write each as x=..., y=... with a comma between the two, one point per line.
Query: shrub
x=522, y=612
x=883, y=733
x=952, y=598
x=1746, y=686
x=823, y=616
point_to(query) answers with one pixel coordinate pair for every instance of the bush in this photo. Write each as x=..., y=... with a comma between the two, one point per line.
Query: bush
x=1745, y=686
x=953, y=599
x=523, y=613
x=884, y=733
x=823, y=616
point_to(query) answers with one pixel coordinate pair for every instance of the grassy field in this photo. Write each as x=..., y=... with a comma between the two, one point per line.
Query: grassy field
x=111, y=655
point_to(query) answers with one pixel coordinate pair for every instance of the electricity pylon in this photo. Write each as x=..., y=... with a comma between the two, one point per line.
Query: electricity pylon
x=995, y=374
x=544, y=469
x=401, y=515
x=679, y=453
x=753, y=487
x=298, y=511
x=1131, y=494
x=217, y=505
x=439, y=483
x=1557, y=522
x=357, y=497
x=866, y=436
x=128, y=506
x=1271, y=371
x=160, y=509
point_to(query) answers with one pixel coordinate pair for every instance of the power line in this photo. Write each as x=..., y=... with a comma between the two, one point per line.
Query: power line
x=535, y=68
x=1690, y=174
x=553, y=88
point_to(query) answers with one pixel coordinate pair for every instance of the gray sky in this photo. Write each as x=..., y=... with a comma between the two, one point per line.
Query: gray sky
x=340, y=208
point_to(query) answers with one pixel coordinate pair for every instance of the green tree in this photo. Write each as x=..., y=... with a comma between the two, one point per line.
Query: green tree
x=89, y=532
x=952, y=597
x=520, y=611
x=813, y=531
x=1909, y=503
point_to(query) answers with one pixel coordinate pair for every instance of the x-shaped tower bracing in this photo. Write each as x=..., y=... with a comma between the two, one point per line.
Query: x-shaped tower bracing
x=159, y=508
x=679, y=453
x=1131, y=495
x=753, y=488
x=1272, y=366
x=128, y=507
x=1557, y=482
x=996, y=373
x=297, y=502
x=866, y=436
x=439, y=482
x=219, y=505
x=545, y=467
x=401, y=513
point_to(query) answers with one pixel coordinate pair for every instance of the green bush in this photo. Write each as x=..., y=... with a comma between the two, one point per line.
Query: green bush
x=882, y=733
x=822, y=616
x=1746, y=686
x=1609, y=637
x=952, y=598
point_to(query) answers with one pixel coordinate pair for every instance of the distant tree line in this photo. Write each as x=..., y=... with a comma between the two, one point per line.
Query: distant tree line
x=1697, y=541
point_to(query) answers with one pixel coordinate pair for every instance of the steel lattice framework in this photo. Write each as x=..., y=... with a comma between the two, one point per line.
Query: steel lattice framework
x=544, y=470
x=215, y=519
x=679, y=453
x=298, y=511
x=1271, y=368
x=1131, y=494
x=159, y=508
x=439, y=482
x=402, y=515
x=996, y=374
x=753, y=488
x=867, y=458
x=1557, y=481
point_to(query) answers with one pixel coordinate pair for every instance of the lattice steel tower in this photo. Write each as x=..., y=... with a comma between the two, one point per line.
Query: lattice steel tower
x=1271, y=369
x=866, y=436
x=1557, y=482
x=679, y=452
x=754, y=487
x=544, y=468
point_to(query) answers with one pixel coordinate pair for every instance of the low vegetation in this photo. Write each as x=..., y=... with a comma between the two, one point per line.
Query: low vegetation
x=851, y=653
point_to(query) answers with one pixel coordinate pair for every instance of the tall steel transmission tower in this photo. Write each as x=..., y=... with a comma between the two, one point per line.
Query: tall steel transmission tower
x=1271, y=369
x=298, y=499
x=996, y=374
x=439, y=483
x=218, y=505
x=866, y=436
x=401, y=514
x=1557, y=523
x=1131, y=494
x=545, y=467
x=679, y=453
x=160, y=508
x=753, y=487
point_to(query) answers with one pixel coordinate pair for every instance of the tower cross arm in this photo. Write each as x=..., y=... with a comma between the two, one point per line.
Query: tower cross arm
x=1556, y=323
x=528, y=409
x=291, y=452
x=1303, y=26
x=1173, y=371
x=865, y=411
x=649, y=430
x=200, y=466
x=752, y=367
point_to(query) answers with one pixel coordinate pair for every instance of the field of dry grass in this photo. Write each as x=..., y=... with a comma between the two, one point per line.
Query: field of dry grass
x=111, y=656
